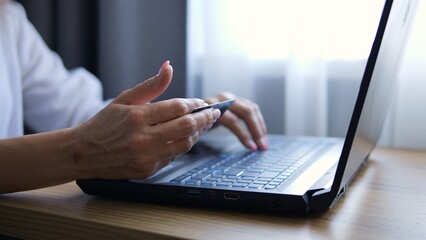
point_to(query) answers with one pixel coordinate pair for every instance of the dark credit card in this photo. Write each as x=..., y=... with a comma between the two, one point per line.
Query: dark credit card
x=222, y=106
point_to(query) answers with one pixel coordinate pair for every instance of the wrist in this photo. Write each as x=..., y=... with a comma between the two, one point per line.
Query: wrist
x=77, y=150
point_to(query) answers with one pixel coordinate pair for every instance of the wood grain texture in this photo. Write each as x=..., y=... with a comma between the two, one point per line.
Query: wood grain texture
x=386, y=201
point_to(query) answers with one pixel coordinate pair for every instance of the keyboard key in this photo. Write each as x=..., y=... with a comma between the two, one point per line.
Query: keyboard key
x=192, y=182
x=270, y=187
x=235, y=172
x=208, y=184
x=249, y=174
x=213, y=178
x=277, y=169
x=292, y=168
x=244, y=181
x=256, y=170
x=274, y=183
x=217, y=174
x=226, y=180
x=261, y=182
x=232, y=177
x=269, y=174
x=201, y=176
x=222, y=184
x=180, y=179
x=215, y=171
x=240, y=185
x=264, y=179
x=256, y=186
x=248, y=178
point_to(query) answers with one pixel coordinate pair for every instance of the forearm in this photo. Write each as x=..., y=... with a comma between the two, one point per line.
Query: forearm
x=36, y=161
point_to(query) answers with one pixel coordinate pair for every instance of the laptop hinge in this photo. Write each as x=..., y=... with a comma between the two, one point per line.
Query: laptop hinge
x=320, y=199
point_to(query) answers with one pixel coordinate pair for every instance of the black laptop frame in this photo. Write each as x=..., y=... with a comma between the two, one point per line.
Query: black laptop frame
x=324, y=199
x=313, y=200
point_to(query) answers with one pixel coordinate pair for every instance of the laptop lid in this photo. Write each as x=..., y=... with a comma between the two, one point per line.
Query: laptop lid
x=376, y=91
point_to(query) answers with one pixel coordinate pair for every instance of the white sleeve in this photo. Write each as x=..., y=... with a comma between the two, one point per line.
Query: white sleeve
x=53, y=97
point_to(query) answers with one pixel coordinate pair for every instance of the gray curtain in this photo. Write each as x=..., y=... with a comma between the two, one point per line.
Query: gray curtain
x=123, y=42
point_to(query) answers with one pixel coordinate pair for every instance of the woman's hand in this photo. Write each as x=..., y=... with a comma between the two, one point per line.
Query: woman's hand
x=132, y=138
x=253, y=134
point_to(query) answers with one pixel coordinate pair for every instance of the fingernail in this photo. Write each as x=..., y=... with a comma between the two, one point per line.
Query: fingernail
x=264, y=144
x=216, y=114
x=163, y=68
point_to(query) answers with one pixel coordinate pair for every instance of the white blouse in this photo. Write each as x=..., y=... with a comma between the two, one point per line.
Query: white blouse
x=35, y=87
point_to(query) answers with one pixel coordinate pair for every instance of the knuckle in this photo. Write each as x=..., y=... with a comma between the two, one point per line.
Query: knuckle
x=226, y=95
x=235, y=125
x=134, y=144
x=208, y=115
x=233, y=120
x=189, y=124
x=248, y=108
x=124, y=96
x=133, y=116
x=146, y=113
x=187, y=144
x=211, y=100
x=181, y=107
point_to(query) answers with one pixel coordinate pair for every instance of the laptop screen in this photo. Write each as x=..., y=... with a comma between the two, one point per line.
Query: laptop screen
x=377, y=88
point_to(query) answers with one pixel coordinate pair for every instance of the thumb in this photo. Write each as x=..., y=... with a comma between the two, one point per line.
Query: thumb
x=148, y=89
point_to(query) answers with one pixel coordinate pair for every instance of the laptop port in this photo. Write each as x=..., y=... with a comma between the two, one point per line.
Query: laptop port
x=193, y=193
x=231, y=195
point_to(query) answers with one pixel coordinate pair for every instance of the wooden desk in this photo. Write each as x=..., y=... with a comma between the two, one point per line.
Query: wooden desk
x=386, y=201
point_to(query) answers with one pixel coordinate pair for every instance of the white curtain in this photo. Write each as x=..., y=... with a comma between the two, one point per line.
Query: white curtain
x=302, y=61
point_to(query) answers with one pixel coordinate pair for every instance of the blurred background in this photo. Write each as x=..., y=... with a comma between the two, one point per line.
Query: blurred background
x=301, y=61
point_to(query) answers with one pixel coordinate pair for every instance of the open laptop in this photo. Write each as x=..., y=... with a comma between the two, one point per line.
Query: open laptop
x=297, y=174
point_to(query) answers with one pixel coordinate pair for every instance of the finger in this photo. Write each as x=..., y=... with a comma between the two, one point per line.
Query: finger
x=253, y=110
x=169, y=109
x=172, y=149
x=221, y=97
x=185, y=126
x=184, y=145
x=149, y=89
x=164, y=162
x=232, y=122
x=149, y=169
x=249, y=112
x=262, y=140
x=261, y=120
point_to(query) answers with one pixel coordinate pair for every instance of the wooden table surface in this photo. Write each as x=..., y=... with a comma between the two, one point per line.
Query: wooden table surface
x=386, y=201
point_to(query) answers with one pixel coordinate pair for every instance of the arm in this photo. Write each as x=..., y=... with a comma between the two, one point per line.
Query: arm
x=127, y=139
x=36, y=161
x=53, y=96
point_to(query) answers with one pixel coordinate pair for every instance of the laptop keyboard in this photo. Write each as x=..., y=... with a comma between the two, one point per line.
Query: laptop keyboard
x=253, y=170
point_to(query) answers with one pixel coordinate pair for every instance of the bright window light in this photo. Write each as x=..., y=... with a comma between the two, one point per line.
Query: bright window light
x=273, y=29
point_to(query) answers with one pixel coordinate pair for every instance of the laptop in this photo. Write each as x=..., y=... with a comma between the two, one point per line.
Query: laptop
x=298, y=174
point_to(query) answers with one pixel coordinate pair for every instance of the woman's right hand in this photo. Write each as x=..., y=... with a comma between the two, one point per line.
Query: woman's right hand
x=133, y=138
